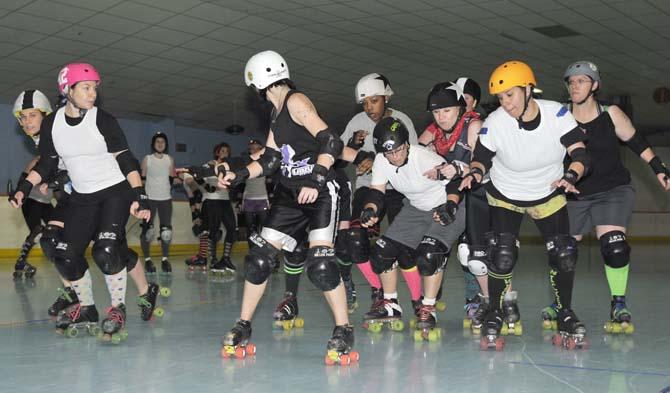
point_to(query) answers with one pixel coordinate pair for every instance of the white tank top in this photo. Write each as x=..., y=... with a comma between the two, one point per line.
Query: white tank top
x=254, y=189
x=36, y=195
x=158, y=177
x=221, y=194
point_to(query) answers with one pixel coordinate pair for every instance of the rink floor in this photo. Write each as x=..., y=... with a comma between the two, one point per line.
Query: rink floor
x=180, y=352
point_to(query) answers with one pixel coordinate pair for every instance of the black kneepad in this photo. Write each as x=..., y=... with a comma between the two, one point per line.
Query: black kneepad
x=562, y=251
x=504, y=252
x=260, y=261
x=71, y=267
x=106, y=255
x=406, y=258
x=131, y=259
x=51, y=236
x=297, y=257
x=358, y=245
x=322, y=268
x=384, y=255
x=341, y=249
x=431, y=256
x=615, y=249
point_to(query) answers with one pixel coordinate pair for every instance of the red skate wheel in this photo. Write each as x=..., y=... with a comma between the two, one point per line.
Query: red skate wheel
x=483, y=344
x=329, y=361
x=224, y=354
x=354, y=356
x=251, y=349
x=557, y=340
x=344, y=360
x=240, y=353
x=500, y=344
x=571, y=343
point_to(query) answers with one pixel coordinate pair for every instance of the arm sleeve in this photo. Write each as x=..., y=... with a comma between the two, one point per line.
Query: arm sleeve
x=379, y=175
x=111, y=131
x=572, y=137
x=48, y=161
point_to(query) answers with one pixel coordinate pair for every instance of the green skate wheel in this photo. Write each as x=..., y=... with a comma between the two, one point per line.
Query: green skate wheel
x=72, y=332
x=397, y=325
x=375, y=327
x=124, y=334
x=439, y=332
x=440, y=306
x=505, y=330
x=616, y=328
x=94, y=330
x=518, y=329
x=433, y=335
x=166, y=292
x=418, y=336
x=548, y=324
x=116, y=339
x=412, y=323
x=299, y=323
x=467, y=323
x=159, y=312
x=288, y=324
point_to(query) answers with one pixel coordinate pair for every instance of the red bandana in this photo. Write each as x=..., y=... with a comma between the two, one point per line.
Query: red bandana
x=443, y=145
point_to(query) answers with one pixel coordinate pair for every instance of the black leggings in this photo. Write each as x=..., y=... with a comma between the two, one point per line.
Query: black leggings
x=254, y=220
x=35, y=213
x=217, y=212
x=477, y=216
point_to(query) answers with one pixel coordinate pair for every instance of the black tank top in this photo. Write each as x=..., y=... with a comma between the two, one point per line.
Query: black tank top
x=607, y=171
x=299, y=148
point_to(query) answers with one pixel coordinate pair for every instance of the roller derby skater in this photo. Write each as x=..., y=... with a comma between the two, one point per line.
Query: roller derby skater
x=607, y=196
x=147, y=302
x=372, y=92
x=302, y=147
x=387, y=313
x=255, y=199
x=75, y=318
x=421, y=236
x=112, y=328
x=533, y=134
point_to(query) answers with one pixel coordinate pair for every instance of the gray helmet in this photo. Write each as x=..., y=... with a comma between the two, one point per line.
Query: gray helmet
x=582, y=68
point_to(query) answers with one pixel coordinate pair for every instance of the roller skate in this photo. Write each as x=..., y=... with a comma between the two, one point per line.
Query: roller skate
x=350, y=289
x=286, y=314
x=223, y=266
x=386, y=312
x=236, y=342
x=147, y=302
x=196, y=262
x=338, y=350
x=491, y=332
x=439, y=304
x=425, y=324
x=479, y=316
x=549, y=316
x=66, y=298
x=113, y=327
x=23, y=269
x=511, y=316
x=620, y=318
x=571, y=332
x=470, y=308
x=166, y=266
x=75, y=317
x=149, y=266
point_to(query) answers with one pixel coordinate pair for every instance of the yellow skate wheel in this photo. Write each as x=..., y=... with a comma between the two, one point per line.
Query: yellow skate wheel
x=299, y=322
x=629, y=329
x=288, y=324
x=439, y=332
x=412, y=323
x=116, y=339
x=166, y=292
x=548, y=324
x=518, y=329
x=72, y=332
x=608, y=327
x=467, y=322
x=418, y=336
x=375, y=327
x=159, y=312
x=505, y=330
x=433, y=335
x=440, y=306
x=476, y=331
x=616, y=328
x=397, y=325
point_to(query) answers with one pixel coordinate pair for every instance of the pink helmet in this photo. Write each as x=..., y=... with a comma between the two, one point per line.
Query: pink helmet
x=76, y=72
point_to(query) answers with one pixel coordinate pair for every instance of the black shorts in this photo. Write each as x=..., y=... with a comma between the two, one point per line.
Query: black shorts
x=287, y=220
x=59, y=212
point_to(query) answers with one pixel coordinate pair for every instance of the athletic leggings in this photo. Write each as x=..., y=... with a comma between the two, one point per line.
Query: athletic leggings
x=35, y=213
x=164, y=209
x=217, y=212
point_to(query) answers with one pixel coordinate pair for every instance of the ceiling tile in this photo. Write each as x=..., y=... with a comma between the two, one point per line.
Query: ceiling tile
x=114, y=23
x=186, y=55
x=189, y=25
x=33, y=23
x=134, y=44
x=234, y=36
x=92, y=36
x=66, y=46
x=172, y=5
x=209, y=45
x=118, y=55
x=162, y=65
x=140, y=12
x=259, y=25
x=95, y=5
x=165, y=36
x=215, y=13
x=14, y=4
x=57, y=11
x=343, y=10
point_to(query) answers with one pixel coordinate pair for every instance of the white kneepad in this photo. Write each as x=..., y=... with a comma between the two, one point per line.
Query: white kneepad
x=166, y=234
x=463, y=254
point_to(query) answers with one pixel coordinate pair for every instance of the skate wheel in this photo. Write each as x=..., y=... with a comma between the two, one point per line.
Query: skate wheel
x=547, y=324
x=72, y=332
x=329, y=361
x=418, y=336
x=94, y=330
x=500, y=344
x=412, y=323
x=299, y=323
x=159, y=312
x=224, y=353
x=287, y=325
x=166, y=292
x=483, y=344
x=629, y=329
x=344, y=360
x=375, y=327
x=608, y=327
x=518, y=330
x=251, y=349
x=616, y=328
x=397, y=325
x=505, y=330
x=467, y=323
x=433, y=335
x=354, y=356
x=557, y=340
x=240, y=353
x=439, y=332
x=440, y=306
x=571, y=343
x=116, y=339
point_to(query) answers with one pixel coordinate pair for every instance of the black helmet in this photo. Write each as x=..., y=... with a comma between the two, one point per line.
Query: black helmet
x=153, y=141
x=390, y=133
x=445, y=95
x=469, y=86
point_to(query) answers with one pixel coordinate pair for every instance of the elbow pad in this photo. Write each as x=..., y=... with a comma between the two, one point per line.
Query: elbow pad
x=269, y=161
x=580, y=155
x=329, y=143
x=483, y=155
x=638, y=143
x=375, y=197
x=127, y=162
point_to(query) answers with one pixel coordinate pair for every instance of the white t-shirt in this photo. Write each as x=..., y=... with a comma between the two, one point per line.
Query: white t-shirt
x=158, y=177
x=255, y=189
x=84, y=152
x=221, y=194
x=422, y=193
x=527, y=162
x=363, y=122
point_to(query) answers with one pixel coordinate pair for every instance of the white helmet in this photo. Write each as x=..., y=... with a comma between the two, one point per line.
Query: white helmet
x=372, y=85
x=264, y=69
x=31, y=99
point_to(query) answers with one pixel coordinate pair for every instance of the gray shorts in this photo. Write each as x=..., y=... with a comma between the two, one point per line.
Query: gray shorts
x=412, y=224
x=613, y=207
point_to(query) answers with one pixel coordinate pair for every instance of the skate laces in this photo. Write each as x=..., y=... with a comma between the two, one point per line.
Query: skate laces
x=116, y=315
x=75, y=312
x=64, y=295
x=425, y=312
x=288, y=304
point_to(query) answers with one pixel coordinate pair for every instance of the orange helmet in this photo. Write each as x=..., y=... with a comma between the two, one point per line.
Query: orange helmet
x=510, y=74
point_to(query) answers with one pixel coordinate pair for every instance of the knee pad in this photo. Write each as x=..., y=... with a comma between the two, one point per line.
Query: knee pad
x=107, y=255
x=71, y=267
x=463, y=254
x=260, y=261
x=341, y=249
x=148, y=232
x=405, y=258
x=562, y=250
x=504, y=252
x=51, y=236
x=166, y=233
x=321, y=266
x=431, y=256
x=478, y=260
x=615, y=249
x=34, y=235
x=384, y=255
x=297, y=257
x=131, y=259
x=358, y=245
